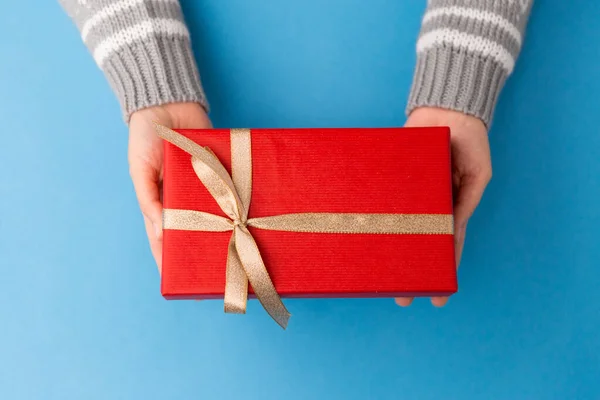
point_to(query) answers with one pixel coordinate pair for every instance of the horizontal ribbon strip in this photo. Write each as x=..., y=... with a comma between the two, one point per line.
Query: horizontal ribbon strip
x=423, y=224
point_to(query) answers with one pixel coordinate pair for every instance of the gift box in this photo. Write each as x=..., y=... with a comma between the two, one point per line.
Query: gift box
x=306, y=213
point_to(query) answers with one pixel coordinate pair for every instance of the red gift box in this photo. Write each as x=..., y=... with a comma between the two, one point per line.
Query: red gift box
x=379, y=171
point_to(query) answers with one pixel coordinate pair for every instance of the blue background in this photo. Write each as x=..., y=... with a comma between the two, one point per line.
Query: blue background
x=81, y=316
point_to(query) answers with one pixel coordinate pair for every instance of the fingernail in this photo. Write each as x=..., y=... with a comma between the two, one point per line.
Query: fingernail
x=156, y=230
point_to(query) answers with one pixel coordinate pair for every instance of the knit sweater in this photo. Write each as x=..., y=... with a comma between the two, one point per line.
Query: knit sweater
x=465, y=52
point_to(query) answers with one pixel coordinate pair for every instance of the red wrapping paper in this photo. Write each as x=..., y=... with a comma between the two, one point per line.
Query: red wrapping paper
x=387, y=170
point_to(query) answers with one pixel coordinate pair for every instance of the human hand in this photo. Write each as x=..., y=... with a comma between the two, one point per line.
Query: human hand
x=146, y=160
x=471, y=169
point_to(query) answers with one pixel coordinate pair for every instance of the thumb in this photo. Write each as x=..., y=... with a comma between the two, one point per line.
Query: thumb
x=146, y=184
x=467, y=199
x=469, y=195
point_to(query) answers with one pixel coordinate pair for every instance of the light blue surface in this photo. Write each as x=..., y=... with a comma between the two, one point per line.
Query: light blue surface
x=81, y=316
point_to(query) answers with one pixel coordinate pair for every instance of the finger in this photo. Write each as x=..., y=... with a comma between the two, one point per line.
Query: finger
x=404, y=301
x=468, y=197
x=439, y=301
x=155, y=244
x=459, y=242
x=146, y=183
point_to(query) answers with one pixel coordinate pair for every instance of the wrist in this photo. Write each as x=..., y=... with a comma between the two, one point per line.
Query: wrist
x=175, y=115
x=155, y=71
x=437, y=116
x=457, y=80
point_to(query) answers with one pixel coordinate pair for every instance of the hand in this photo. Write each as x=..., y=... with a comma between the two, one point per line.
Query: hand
x=471, y=169
x=146, y=160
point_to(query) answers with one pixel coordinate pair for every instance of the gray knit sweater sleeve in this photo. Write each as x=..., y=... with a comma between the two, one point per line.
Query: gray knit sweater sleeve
x=143, y=48
x=465, y=52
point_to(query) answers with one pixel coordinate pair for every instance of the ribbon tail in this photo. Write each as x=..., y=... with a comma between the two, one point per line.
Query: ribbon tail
x=236, y=286
x=209, y=170
x=258, y=276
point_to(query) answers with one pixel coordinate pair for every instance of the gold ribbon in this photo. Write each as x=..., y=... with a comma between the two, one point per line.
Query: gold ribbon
x=233, y=194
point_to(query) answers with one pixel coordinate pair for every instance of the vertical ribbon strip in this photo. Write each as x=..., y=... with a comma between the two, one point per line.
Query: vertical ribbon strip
x=233, y=194
x=236, y=282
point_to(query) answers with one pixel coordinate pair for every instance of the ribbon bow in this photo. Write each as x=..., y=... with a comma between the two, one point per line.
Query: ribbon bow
x=233, y=194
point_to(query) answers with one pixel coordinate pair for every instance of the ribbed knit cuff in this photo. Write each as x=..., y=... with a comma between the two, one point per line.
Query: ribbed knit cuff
x=157, y=70
x=455, y=79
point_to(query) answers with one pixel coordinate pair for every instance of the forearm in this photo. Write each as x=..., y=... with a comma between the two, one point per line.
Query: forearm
x=465, y=52
x=143, y=48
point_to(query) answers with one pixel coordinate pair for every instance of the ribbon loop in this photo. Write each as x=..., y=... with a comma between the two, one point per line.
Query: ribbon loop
x=244, y=262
